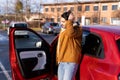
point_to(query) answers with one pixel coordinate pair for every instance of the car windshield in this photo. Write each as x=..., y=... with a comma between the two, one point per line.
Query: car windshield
x=118, y=44
x=21, y=25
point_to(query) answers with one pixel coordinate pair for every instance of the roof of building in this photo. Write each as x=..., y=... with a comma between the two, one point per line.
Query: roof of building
x=80, y=2
x=108, y=28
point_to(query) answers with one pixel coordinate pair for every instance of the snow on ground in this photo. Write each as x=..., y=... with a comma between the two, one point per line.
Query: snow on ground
x=3, y=38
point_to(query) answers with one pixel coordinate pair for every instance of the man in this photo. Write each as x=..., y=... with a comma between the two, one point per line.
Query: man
x=69, y=47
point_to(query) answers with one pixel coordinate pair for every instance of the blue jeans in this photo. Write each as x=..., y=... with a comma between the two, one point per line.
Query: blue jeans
x=66, y=70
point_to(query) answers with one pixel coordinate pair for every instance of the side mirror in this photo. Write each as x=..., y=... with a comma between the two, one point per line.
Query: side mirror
x=38, y=44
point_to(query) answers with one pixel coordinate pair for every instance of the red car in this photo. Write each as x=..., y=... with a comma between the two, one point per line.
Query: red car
x=32, y=58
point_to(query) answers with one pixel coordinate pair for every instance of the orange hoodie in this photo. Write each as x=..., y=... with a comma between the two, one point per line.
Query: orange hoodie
x=69, y=44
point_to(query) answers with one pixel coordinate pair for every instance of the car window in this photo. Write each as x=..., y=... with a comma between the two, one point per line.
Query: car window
x=118, y=44
x=21, y=25
x=92, y=45
x=26, y=41
x=46, y=25
x=54, y=24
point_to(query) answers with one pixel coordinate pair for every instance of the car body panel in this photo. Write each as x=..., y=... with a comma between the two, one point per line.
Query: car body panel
x=107, y=68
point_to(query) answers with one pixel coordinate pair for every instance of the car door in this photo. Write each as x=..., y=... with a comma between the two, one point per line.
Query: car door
x=93, y=56
x=30, y=56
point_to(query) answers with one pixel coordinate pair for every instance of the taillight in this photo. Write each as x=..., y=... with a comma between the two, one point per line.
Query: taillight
x=119, y=77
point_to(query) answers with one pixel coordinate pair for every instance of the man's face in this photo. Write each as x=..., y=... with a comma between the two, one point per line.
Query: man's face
x=63, y=22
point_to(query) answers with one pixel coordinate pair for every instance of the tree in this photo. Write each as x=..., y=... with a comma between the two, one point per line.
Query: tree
x=36, y=7
x=19, y=10
x=18, y=6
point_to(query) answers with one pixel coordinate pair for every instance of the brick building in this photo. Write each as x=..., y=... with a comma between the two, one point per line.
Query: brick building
x=87, y=12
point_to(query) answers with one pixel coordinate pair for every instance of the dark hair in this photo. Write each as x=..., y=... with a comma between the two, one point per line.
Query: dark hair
x=65, y=15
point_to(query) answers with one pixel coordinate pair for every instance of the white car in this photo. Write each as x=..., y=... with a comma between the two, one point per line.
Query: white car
x=18, y=25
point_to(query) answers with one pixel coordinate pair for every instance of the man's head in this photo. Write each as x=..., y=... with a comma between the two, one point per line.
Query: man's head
x=65, y=15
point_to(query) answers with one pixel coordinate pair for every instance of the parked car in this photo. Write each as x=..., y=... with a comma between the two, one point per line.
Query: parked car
x=51, y=27
x=34, y=59
x=18, y=25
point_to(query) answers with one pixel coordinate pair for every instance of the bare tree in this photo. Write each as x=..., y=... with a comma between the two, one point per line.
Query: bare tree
x=35, y=9
x=19, y=9
x=6, y=9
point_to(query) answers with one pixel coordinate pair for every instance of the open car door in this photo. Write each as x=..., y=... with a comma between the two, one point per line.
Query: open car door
x=30, y=56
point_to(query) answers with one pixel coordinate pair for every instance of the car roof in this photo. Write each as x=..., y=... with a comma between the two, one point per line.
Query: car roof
x=107, y=28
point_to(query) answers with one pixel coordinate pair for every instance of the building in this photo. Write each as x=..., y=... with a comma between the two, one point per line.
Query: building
x=86, y=12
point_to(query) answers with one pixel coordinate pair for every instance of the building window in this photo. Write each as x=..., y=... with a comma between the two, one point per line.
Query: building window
x=104, y=8
x=87, y=8
x=95, y=20
x=52, y=9
x=115, y=21
x=87, y=20
x=95, y=8
x=72, y=8
x=114, y=7
x=46, y=9
x=65, y=8
x=79, y=8
x=58, y=9
x=104, y=19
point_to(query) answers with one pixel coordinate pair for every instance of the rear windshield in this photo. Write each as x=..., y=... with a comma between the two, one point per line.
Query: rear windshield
x=118, y=44
x=21, y=25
